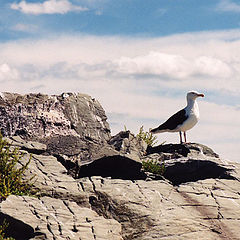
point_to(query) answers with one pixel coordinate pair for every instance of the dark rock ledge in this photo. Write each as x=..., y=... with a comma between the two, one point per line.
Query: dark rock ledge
x=92, y=185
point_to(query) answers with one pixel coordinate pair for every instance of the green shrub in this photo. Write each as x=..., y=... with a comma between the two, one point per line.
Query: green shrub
x=3, y=229
x=154, y=166
x=11, y=172
x=147, y=137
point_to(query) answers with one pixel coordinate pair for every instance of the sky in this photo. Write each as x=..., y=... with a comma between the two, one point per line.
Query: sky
x=138, y=58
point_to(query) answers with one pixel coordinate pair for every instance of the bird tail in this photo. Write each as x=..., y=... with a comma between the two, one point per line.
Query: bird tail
x=157, y=130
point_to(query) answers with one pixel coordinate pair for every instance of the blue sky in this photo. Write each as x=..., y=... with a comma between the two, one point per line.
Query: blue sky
x=137, y=57
x=116, y=17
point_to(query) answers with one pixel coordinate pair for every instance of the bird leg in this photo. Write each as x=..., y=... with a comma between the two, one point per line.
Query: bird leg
x=180, y=134
x=185, y=137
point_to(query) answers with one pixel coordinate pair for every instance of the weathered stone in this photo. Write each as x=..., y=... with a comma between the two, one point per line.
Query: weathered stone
x=51, y=179
x=145, y=210
x=176, y=150
x=189, y=162
x=182, y=150
x=49, y=175
x=72, y=125
x=49, y=218
x=121, y=159
x=197, y=198
x=127, y=144
x=157, y=210
x=202, y=149
x=29, y=146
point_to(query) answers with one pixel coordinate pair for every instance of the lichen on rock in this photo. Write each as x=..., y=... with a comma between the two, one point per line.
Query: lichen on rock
x=71, y=125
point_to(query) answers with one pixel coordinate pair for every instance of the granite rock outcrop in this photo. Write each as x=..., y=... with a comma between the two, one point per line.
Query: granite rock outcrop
x=71, y=125
x=98, y=207
x=111, y=197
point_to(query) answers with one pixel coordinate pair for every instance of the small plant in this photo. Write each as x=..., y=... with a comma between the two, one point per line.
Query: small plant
x=147, y=137
x=11, y=172
x=154, y=166
x=3, y=229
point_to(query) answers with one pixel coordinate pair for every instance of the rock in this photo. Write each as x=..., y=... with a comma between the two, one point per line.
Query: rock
x=206, y=209
x=158, y=209
x=110, y=197
x=188, y=162
x=182, y=150
x=128, y=145
x=50, y=176
x=51, y=179
x=115, y=166
x=29, y=146
x=196, y=149
x=176, y=150
x=71, y=125
x=49, y=218
x=74, y=129
x=122, y=159
x=190, y=170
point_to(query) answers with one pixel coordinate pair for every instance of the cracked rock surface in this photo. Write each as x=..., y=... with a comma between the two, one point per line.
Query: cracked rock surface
x=51, y=218
x=207, y=209
x=101, y=208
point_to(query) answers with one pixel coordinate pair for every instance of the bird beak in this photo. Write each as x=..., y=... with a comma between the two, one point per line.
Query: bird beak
x=200, y=95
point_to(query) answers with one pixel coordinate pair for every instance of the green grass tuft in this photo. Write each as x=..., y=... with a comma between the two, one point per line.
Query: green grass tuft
x=147, y=137
x=154, y=166
x=11, y=172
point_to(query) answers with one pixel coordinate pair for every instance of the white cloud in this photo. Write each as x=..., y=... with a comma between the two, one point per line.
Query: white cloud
x=228, y=6
x=155, y=63
x=47, y=7
x=174, y=66
x=212, y=67
x=7, y=73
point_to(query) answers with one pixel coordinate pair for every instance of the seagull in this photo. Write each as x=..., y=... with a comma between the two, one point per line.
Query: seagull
x=184, y=119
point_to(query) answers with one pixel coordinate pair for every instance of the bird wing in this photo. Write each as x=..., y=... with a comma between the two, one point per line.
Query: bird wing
x=174, y=120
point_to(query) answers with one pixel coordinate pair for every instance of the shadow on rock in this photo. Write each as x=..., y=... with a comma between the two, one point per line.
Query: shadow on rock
x=18, y=229
x=194, y=170
x=178, y=150
x=115, y=167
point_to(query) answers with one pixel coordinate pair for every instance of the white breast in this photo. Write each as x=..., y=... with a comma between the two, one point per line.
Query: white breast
x=189, y=123
x=193, y=117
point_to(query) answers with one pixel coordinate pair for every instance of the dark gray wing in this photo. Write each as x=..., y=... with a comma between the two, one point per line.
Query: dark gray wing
x=173, y=121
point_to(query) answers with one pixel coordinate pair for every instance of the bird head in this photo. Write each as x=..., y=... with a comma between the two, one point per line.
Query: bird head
x=193, y=95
